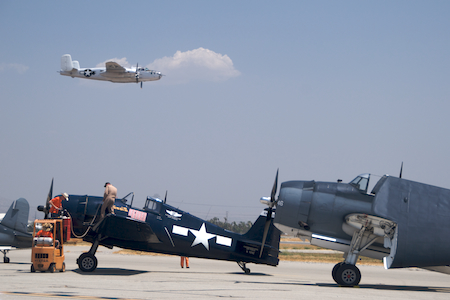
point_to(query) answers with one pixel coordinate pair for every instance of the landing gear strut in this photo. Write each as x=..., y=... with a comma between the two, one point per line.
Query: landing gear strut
x=87, y=262
x=346, y=273
x=243, y=267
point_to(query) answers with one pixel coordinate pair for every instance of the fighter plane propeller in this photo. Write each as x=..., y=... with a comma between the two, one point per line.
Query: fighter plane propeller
x=400, y=221
x=111, y=72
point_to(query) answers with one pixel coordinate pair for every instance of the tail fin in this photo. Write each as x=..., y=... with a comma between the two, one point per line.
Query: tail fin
x=17, y=216
x=67, y=64
x=257, y=230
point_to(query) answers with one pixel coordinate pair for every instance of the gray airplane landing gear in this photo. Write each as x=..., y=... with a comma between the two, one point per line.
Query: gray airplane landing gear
x=5, y=258
x=243, y=267
x=87, y=262
x=346, y=273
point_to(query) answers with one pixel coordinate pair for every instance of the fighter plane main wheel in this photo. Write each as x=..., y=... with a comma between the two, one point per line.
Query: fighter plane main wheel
x=348, y=275
x=6, y=260
x=87, y=262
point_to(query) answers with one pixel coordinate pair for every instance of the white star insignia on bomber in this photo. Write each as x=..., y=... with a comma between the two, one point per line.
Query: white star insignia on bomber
x=202, y=237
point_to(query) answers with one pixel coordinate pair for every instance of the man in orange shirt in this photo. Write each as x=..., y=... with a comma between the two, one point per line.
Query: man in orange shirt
x=46, y=231
x=56, y=205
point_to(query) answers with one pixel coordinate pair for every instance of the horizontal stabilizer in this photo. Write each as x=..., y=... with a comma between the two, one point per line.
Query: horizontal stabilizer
x=17, y=216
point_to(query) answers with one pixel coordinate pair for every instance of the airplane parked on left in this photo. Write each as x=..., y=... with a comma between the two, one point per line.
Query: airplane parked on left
x=112, y=72
x=13, y=228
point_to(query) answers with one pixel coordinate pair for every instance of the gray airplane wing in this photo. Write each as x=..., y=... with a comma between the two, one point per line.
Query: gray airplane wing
x=114, y=67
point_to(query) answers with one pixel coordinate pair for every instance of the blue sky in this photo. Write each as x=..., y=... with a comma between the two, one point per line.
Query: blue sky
x=320, y=89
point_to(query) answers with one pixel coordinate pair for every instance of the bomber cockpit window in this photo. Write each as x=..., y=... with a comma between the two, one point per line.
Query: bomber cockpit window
x=361, y=182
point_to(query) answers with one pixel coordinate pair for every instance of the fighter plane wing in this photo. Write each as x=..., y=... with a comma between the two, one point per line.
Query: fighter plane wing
x=114, y=67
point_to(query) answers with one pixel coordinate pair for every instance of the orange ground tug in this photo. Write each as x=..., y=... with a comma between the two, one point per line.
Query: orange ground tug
x=47, y=253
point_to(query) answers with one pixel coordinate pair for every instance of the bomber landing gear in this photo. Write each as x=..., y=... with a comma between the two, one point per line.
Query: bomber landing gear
x=346, y=274
x=5, y=258
x=243, y=267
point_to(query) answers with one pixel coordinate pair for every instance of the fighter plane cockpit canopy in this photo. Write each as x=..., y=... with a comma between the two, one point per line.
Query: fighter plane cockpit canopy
x=153, y=205
x=361, y=182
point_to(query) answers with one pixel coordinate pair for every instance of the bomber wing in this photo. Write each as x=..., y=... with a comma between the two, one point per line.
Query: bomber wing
x=114, y=67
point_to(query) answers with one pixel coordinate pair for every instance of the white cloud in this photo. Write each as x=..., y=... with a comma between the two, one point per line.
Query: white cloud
x=121, y=61
x=196, y=64
x=19, y=68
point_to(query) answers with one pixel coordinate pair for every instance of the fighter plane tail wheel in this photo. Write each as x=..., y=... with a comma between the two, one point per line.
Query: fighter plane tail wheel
x=6, y=260
x=87, y=262
x=348, y=275
x=52, y=268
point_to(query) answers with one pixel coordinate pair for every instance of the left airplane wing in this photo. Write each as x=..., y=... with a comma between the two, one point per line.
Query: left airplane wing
x=114, y=67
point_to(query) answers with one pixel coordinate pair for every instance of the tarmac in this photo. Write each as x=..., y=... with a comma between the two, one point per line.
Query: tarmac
x=122, y=276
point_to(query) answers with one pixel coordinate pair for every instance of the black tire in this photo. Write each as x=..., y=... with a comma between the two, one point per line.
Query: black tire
x=87, y=262
x=63, y=267
x=247, y=271
x=348, y=275
x=52, y=268
x=334, y=271
x=6, y=260
x=32, y=269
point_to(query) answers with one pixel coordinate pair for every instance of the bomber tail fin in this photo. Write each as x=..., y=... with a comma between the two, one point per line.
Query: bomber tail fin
x=67, y=64
x=17, y=216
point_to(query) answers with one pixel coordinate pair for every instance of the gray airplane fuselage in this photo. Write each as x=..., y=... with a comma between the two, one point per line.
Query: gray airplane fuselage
x=421, y=213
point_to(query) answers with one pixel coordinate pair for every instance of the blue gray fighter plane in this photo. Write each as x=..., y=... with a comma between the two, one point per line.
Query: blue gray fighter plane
x=405, y=223
x=13, y=228
x=161, y=228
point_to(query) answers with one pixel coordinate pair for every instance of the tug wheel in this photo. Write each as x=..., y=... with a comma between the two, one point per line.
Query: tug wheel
x=87, y=262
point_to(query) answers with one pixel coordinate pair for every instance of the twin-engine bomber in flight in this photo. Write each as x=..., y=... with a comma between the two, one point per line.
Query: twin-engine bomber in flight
x=405, y=223
x=112, y=72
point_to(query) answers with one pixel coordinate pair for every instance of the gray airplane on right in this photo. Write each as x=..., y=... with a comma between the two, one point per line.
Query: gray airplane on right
x=405, y=223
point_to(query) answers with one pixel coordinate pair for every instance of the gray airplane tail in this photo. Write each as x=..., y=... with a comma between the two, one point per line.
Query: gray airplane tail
x=17, y=216
x=67, y=64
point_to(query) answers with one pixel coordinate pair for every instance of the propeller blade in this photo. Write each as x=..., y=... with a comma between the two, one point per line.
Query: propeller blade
x=165, y=197
x=137, y=74
x=47, y=203
x=141, y=84
x=266, y=230
x=269, y=213
x=401, y=171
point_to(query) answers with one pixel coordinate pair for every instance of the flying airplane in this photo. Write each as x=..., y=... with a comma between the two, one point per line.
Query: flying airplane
x=403, y=222
x=162, y=228
x=13, y=228
x=112, y=72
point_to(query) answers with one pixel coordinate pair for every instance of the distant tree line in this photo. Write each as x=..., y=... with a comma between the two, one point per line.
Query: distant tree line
x=241, y=227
